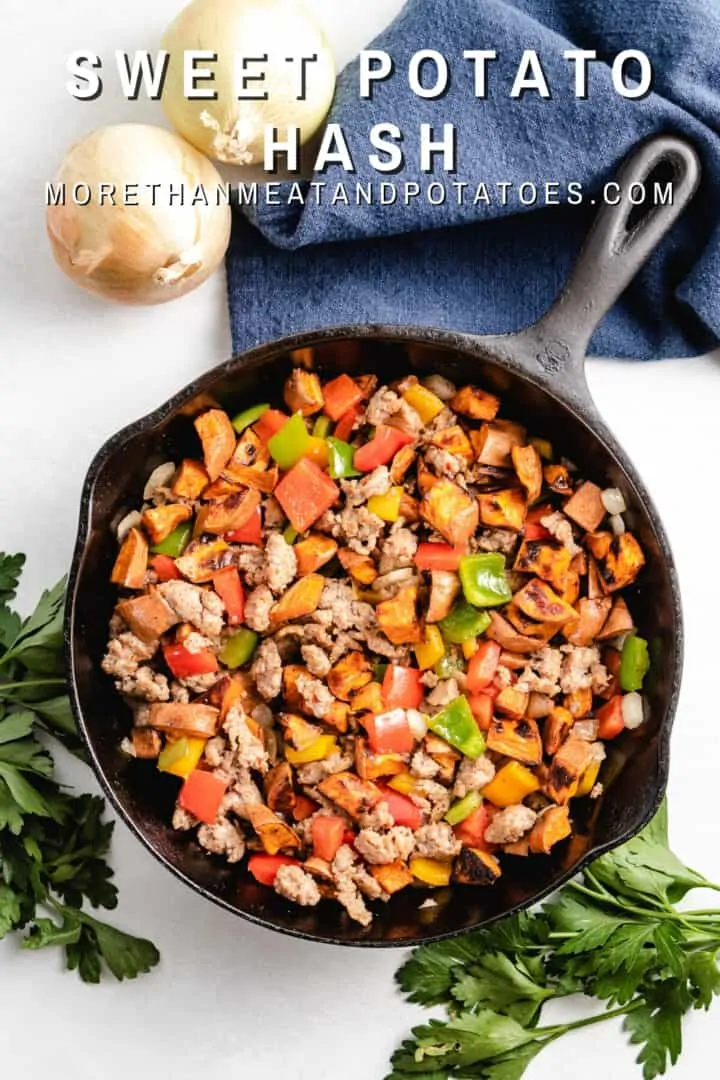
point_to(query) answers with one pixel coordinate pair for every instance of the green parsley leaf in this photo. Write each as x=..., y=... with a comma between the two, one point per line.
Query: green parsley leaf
x=10, y=569
x=498, y=982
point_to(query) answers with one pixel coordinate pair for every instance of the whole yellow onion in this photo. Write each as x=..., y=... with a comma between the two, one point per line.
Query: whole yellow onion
x=239, y=31
x=144, y=253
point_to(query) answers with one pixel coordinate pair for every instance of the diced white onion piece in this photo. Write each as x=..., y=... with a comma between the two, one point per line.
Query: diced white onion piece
x=417, y=723
x=539, y=705
x=612, y=500
x=127, y=747
x=632, y=710
x=132, y=520
x=617, y=642
x=617, y=524
x=587, y=730
x=440, y=386
x=159, y=477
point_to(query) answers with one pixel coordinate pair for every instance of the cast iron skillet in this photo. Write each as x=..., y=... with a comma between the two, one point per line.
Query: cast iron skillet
x=539, y=373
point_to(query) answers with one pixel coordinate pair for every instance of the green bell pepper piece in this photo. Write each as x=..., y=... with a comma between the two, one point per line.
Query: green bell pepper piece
x=483, y=579
x=290, y=443
x=456, y=725
x=464, y=807
x=176, y=542
x=448, y=666
x=340, y=459
x=290, y=535
x=463, y=622
x=321, y=427
x=634, y=663
x=239, y=648
x=173, y=753
x=248, y=416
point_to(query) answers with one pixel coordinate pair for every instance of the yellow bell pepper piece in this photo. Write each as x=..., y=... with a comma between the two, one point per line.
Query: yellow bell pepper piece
x=322, y=748
x=424, y=402
x=188, y=762
x=317, y=451
x=430, y=871
x=511, y=785
x=470, y=647
x=432, y=649
x=404, y=782
x=588, y=779
x=386, y=506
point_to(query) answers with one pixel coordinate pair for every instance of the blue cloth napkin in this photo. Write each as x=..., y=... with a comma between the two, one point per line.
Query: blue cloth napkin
x=496, y=268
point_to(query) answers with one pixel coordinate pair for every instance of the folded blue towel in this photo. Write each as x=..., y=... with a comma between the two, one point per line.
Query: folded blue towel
x=492, y=268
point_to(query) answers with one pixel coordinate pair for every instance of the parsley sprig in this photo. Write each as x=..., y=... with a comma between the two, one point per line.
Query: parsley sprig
x=53, y=844
x=615, y=934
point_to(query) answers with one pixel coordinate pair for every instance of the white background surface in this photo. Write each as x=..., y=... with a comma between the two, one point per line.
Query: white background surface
x=231, y=1000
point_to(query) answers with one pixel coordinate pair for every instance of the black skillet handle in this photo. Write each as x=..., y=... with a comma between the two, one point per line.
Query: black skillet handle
x=554, y=348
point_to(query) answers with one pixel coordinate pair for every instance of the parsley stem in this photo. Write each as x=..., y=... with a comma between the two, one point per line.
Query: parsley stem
x=622, y=904
x=31, y=682
x=563, y=1029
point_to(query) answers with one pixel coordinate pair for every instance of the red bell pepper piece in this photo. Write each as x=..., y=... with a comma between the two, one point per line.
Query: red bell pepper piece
x=402, y=688
x=430, y=556
x=536, y=531
x=165, y=568
x=346, y=423
x=250, y=533
x=228, y=586
x=201, y=795
x=389, y=732
x=382, y=448
x=269, y=424
x=349, y=838
x=303, y=808
x=264, y=868
x=328, y=832
x=611, y=718
x=482, y=666
x=481, y=706
x=471, y=831
x=305, y=493
x=184, y=663
x=403, y=810
x=340, y=395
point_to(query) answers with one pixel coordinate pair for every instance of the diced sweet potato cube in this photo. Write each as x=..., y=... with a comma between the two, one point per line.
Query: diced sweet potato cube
x=350, y=792
x=278, y=787
x=361, y=568
x=148, y=616
x=274, y=834
x=623, y=563
x=221, y=488
x=398, y=617
x=392, y=877
x=512, y=702
x=191, y=479
x=451, y=511
x=236, y=689
x=598, y=543
x=298, y=731
x=426, y=479
x=547, y=559
x=371, y=766
x=585, y=507
x=579, y=703
x=369, y=699
x=579, y=564
x=566, y=768
x=302, y=598
x=350, y=673
x=517, y=739
x=319, y=868
x=232, y=512
x=476, y=867
x=160, y=521
x=528, y=467
x=264, y=480
x=493, y=443
x=313, y=552
x=549, y=829
x=251, y=452
x=197, y=721
x=337, y=716
x=507, y=636
x=525, y=625
x=593, y=615
x=201, y=560
x=521, y=848
x=409, y=508
x=539, y=602
x=558, y=479
x=444, y=589
x=291, y=674
x=503, y=509
x=556, y=729
x=570, y=588
x=402, y=461
x=302, y=392
x=595, y=587
x=217, y=436
x=146, y=743
x=475, y=403
x=131, y=564
x=454, y=440
x=619, y=621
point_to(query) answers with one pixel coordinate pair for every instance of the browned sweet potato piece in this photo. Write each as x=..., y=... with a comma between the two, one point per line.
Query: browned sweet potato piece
x=369, y=699
x=454, y=440
x=302, y=598
x=595, y=587
x=291, y=674
x=593, y=614
x=146, y=743
x=202, y=560
x=546, y=559
x=190, y=480
x=131, y=564
x=450, y=510
x=398, y=617
x=623, y=563
x=298, y=731
x=236, y=689
x=367, y=383
x=250, y=452
x=493, y=443
x=249, y=476
x=507, y=637
x=278, y=787
x=361, y=568
x=619, y=621
x=503, y=509
x=351, y=673
x=549, y=829
x=528, y=466
x=319, y=868
x=558, y=479
x=337, y=716
x=524, y=625
x=511, y=702
x=570, y=588
x=598, y=543
x=217, y=436
x=579, y=564
x=426, y=479
x=539, y=602
x=302, y=392
x=521, y=848
x=352, y=794
x=148, y=616
x=476, y=867
x=448, y=764
x=220, y=489
x=160, y=521
x=371, y=766
x=198, y=721
x=517, y=739
x=313, y=552
x=585, y=506
x=476, y=403
x=274, y=834
x=232, y=512
x=444, y=588
x=402, y=461
x=556, y=729
x=392, y=877
x=409, y=508
x=566, y=768
x=579, y=703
